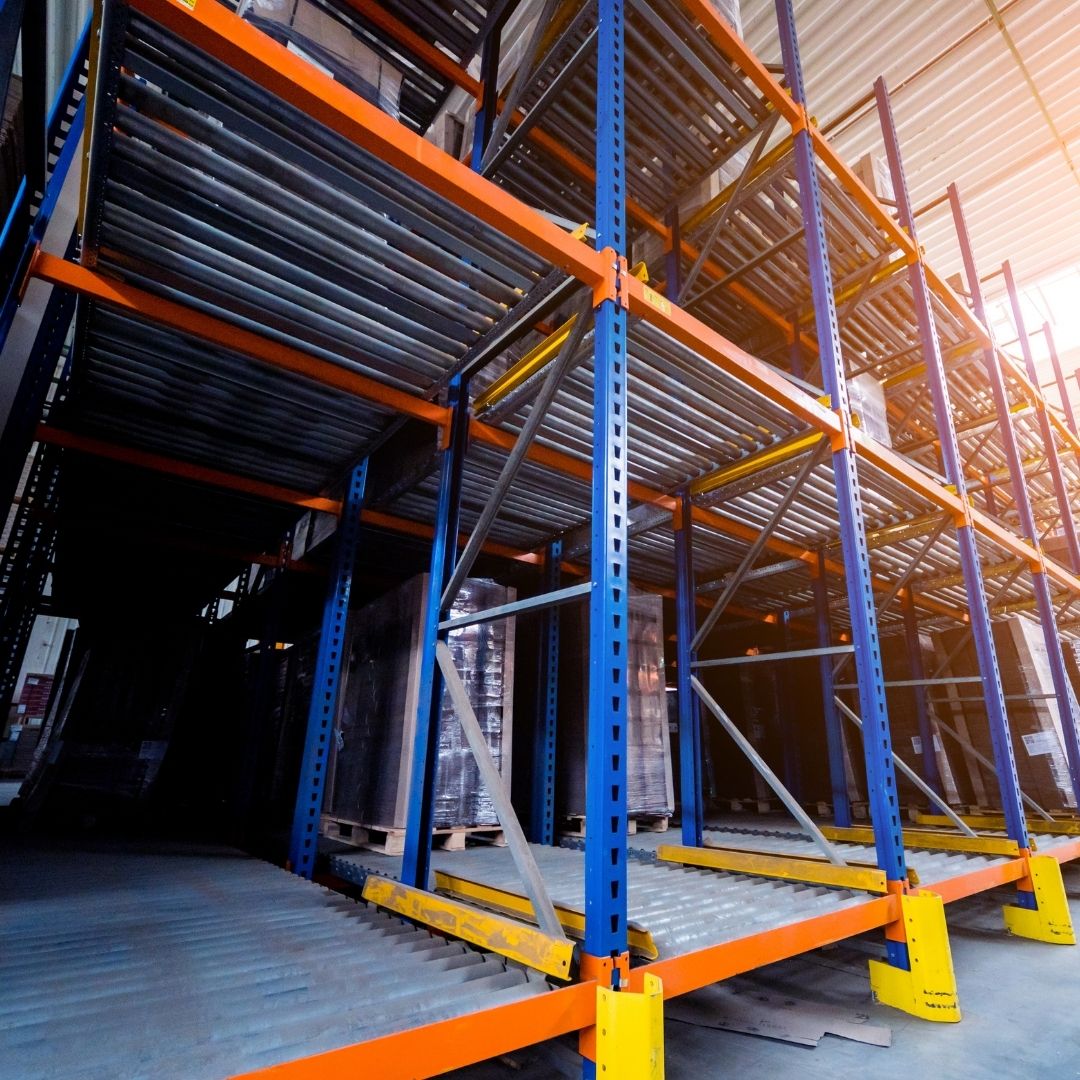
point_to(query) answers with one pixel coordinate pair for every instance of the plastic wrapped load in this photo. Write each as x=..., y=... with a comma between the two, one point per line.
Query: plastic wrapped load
x=315, y=35
x=903, y=709
x=649, y=788
x=374, y=733
x=1034, y=721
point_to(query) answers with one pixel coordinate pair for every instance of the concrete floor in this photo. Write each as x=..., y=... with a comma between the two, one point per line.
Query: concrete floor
x=1020, y=1001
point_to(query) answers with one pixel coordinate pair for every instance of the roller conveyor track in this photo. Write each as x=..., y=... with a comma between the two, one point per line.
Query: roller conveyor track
x=194, y=964
x=931, y=866
x=684, y=909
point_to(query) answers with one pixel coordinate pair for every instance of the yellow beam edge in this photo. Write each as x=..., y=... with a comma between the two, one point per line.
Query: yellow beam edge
x=1063, y=827
x=928, y=990
x=784, y=450
x=511, y=903
x=536, y=359
x=931, y=841
x=507, y=937
x=784, y=867
x=630, y=1032
x=722, y=198
x=1051, y=921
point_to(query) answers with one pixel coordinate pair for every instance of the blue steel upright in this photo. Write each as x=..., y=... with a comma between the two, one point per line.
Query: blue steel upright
x=877, y=742
x=605, y=797
x=303, y=846
x=834, y=733
x=1053, y=461
x=416, y=859
x=1059, y=378
x=993, y=692
x=690, y=796
x=1070, y=722
x=547, y=706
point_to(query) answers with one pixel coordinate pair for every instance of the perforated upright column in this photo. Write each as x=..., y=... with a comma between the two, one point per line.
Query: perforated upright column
x=303, y=846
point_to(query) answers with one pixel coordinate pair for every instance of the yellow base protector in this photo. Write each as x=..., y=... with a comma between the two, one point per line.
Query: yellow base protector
x=1051, y=921
x=630, y=1033
x=928, y=990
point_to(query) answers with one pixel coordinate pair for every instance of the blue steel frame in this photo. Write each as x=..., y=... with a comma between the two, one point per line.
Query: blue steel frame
x=547, y=705
x=303, y=844
x=877, y=742
x=605, y=797
x=1053, y=461
x=1059, y=378
x=17, y=247
x=416, y=860
x=488, y=103
x=993, y=692
x=834, y=728
x=931, y=773
x=1070, y=722
x=690, y=793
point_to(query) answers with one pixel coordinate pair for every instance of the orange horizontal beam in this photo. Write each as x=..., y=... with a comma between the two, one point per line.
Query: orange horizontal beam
x=736, y=50
x=682, y=974
x=187, y=320
x=990, y=877
x=1064, y=852
x=128, y=455
x=450, y=1044
x=715, y=348
x=681, y=325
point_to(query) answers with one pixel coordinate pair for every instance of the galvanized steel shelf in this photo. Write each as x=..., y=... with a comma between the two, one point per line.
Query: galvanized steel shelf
x=188, y=962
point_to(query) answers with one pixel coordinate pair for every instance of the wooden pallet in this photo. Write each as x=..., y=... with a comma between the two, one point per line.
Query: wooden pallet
x=753, y=805
x=391, y=841
x=575, y=825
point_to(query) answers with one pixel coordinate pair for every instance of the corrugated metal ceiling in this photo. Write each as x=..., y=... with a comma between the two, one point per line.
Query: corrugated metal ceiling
x=964, y=111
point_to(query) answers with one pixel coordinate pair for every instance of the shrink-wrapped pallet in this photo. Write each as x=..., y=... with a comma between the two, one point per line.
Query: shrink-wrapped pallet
x=372, y=754
x=648, y=758
x=327, y=42
x=1034, y=720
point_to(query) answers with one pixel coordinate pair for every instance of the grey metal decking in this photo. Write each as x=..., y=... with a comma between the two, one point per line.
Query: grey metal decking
x=189, y=964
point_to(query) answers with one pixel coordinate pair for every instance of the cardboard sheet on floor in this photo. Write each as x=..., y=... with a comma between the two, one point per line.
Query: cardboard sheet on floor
x=772, y=1016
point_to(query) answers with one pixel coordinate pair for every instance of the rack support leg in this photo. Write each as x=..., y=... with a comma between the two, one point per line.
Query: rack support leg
x=689, y=709
x=303, y=846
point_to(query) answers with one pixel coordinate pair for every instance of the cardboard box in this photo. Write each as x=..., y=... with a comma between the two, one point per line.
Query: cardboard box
x=328, y=43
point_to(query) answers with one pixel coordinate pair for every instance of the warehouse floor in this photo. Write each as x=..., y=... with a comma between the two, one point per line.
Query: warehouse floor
x=1012, y=993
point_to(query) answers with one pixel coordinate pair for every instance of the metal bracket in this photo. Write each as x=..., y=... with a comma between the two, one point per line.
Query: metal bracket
x=610, y=288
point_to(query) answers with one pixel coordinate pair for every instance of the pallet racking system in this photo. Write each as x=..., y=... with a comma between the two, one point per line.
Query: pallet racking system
x=279, y=285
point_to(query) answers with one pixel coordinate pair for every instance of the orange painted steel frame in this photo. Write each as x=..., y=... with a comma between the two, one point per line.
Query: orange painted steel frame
x=736, y=51
x=211, y=28
x=455, y=1043
x=218, y=32
x=682, y=326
